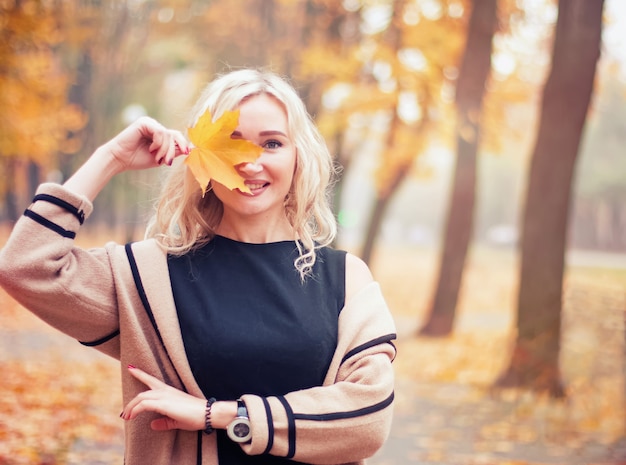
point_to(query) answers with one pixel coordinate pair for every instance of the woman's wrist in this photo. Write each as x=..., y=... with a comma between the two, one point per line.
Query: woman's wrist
x=222, y=413
x=94, y=174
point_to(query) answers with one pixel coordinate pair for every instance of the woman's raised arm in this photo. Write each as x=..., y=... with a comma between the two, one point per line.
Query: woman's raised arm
x=144, y=144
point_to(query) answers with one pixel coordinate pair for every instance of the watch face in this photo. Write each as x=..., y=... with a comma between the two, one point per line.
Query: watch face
x=241, y=430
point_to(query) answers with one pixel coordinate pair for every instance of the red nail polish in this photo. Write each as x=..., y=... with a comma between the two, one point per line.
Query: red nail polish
x=130, y=367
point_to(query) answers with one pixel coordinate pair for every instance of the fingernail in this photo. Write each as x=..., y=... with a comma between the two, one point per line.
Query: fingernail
x=122, y=414
x=130, y=367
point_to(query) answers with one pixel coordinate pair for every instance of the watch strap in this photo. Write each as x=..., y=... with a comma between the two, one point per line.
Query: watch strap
x=242, y=411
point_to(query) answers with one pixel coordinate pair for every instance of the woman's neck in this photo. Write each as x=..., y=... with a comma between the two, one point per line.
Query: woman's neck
x=256, y=231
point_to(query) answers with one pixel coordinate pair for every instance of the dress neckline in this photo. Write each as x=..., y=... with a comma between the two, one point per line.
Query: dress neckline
x=253, y=244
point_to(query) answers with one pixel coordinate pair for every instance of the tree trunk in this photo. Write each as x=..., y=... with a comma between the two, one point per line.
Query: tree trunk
x=458, y=230
x=378, y=213
x=393, y=37
x=34, y=178
x=10, y=194
x=534, y=363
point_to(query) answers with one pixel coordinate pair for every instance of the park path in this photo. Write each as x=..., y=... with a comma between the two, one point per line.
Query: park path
x=460, y=424
x=452, y=424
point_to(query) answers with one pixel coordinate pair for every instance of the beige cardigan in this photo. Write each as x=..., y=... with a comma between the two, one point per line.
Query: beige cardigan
x=118, y=299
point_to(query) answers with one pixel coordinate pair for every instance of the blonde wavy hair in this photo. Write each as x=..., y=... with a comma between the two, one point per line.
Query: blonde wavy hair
x=185, y=220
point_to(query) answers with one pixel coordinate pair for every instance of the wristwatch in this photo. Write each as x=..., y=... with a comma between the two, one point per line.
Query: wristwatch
x=239, y=429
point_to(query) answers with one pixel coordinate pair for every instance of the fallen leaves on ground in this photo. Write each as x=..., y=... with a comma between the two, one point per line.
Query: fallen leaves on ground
x=446, y=410
x=47, y=406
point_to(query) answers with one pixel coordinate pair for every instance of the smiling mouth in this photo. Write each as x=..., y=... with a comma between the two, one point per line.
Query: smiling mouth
x=255, y=187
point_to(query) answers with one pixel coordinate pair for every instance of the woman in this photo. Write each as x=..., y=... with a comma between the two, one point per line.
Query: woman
x=234, y=297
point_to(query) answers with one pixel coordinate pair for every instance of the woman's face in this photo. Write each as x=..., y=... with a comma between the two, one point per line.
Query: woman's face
x=262, y=120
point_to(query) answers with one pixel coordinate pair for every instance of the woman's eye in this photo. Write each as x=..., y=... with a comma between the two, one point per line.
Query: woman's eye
x=272, y=144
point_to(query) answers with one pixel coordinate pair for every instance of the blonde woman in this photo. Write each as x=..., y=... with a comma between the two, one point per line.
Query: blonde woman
x=243, y=337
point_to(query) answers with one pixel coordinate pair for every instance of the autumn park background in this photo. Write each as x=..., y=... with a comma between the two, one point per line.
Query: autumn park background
x=482, y=146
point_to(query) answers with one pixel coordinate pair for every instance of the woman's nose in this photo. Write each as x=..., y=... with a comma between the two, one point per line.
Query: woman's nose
x=249, y=169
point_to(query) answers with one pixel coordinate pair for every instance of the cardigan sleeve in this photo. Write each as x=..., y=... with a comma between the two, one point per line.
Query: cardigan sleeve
x=70, y=288
x=348, y=418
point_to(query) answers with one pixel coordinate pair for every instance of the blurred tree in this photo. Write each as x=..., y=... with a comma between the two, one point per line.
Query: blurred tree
x=338, y=54
x=567, y=93
x=313, y=42
x=409, y=67
x=328, y=61
x=470, y=89
x=67, y=70
x=111, y=69
x=394, y=149
x=36, y=120
x=251, y=33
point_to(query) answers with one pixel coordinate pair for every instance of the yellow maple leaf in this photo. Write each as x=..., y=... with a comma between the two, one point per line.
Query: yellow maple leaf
x=215, y=153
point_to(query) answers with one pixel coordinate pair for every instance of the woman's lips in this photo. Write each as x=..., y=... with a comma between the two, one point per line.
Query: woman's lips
x=256, y=187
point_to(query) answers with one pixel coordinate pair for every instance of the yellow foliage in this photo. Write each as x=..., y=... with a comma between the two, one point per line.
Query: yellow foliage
x=45, y=409
x=216, y=153
x=321, y=60
x=398, y=158
x=35, y=118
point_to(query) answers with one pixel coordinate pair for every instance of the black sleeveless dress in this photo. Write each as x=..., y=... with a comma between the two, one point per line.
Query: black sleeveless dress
x=251, y=326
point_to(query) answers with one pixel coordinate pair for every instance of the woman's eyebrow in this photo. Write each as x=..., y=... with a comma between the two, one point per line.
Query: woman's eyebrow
x=262, y=133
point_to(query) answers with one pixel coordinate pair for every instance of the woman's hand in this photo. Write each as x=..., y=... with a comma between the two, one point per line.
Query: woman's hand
x=146, y=143
x=179, y=409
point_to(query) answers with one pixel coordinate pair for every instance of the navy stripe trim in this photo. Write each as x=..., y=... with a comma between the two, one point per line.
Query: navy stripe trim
x=146, y=305
x=395, y=349
x=102, y=340
x=140, y=289
x=291, y=425
x=199, y=451
x=270, y=426
x=343, y=415
x=49, y=224
x=374, y=342
x=63, y=204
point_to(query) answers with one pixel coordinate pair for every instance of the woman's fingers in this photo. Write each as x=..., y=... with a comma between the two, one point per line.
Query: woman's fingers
x=144, y=400
x=161, y=143
x=147, y=143
x=164, y=424
x=179, y=409
x=145, y=378
x=168, y=145
x=141, y=403
x=182, y=145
